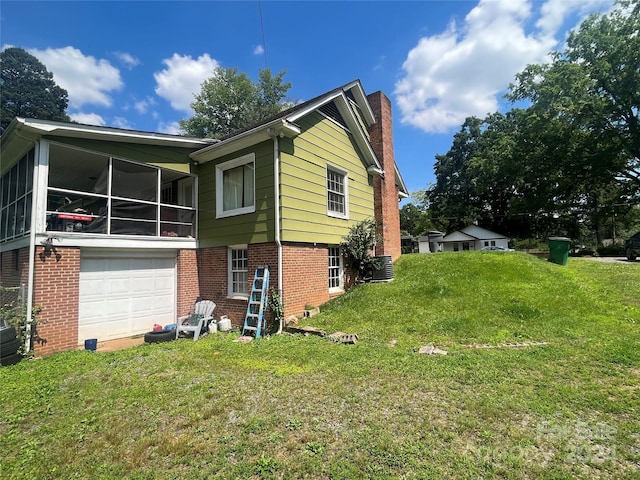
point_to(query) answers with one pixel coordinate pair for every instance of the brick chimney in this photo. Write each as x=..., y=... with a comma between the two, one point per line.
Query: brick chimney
x=385, y=191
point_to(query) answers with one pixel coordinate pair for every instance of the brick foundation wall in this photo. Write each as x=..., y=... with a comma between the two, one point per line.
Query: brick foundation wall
x=305, y=272
x=56, y=290
x=15, y=267
x=188, y=289
x=387, y=212
x=305, y=277
x=212, y=264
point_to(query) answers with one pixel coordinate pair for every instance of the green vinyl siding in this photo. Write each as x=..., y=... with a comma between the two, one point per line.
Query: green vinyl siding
x=174, y=158
x=303, y=181
x=256, y=227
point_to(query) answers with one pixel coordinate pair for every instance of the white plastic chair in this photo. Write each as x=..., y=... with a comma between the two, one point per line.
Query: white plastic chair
x=198, y=320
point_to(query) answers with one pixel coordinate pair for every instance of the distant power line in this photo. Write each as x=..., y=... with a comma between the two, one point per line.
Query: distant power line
x=264, y=43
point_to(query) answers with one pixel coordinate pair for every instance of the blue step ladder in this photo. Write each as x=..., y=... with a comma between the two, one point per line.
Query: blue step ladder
x=255, y=321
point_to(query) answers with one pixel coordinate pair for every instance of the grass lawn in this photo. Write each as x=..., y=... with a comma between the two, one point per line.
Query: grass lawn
x=565, y=406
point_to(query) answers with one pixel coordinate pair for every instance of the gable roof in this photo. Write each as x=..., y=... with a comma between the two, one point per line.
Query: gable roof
x=458, y=236
x=284, y=124
x=472, y=232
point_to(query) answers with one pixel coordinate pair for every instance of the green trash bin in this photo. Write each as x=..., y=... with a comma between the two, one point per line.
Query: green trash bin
x=559, y=250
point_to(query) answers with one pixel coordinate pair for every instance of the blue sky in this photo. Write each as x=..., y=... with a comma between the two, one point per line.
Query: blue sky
x=138, y=64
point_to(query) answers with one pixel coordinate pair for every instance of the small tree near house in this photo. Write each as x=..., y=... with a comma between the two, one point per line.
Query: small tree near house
x=357, y=247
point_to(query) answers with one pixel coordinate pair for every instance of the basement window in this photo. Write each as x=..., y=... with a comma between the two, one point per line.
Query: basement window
x=336, y=270
x=238, y=264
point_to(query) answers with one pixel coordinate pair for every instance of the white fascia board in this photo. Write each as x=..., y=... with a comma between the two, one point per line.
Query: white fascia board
x=361, y=100
x=115, y=242
x=352, y=123
x=314, y=106
x=342, y=102
x=280, y=127
x=47, y=127
x=403, y=191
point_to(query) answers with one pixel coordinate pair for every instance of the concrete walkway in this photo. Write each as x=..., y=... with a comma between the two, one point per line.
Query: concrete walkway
x=118, y=344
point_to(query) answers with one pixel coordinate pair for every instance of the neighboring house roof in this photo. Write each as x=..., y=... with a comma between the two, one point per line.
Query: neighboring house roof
x=458, y=236
x=284, y=124
x=472, y=233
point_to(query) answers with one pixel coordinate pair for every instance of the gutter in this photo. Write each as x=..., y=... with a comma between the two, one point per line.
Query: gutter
x=248, y=138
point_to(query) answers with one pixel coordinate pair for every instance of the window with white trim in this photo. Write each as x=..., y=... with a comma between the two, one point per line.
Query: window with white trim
x=337, y=188
x=238, y=271
x=235, y=186
x=336, y=270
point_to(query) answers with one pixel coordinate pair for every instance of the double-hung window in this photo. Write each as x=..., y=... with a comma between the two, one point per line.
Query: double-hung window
x=336, y=270
x=238, y=271
x=235, y=186
x=337, y=189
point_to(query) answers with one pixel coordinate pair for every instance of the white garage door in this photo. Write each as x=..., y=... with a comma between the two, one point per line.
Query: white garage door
x=125, y=295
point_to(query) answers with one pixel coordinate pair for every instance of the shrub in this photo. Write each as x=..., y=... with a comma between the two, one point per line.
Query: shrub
x=357, y=247
x=610, y=250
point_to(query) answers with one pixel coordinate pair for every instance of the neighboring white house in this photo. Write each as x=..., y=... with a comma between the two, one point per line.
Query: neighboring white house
x=430, y=243
x=473, y=237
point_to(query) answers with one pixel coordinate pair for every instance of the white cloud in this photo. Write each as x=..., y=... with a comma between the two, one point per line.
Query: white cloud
x=127, y=59
x=121, y=122
x=86, y=79
x=554, y=12
x=182, y=78
x=259, y=50
x=142, y=106
x=88, y=118
x=172, y=128
x=463, y=70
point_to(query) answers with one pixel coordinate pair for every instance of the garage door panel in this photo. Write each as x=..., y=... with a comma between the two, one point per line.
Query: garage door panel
x=162, y=283
x=94, y=287
x=118, y=286
x=102, y=330
x=125, y=296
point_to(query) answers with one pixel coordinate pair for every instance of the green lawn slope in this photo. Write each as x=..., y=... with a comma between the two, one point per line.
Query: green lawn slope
x=540, y=380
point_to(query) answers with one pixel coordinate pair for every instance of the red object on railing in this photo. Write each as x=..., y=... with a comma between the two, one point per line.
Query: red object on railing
x=75, y=216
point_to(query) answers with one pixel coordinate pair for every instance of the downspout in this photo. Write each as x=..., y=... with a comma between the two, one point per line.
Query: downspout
x=276, y=196
x=35, y=211
x=30, y=276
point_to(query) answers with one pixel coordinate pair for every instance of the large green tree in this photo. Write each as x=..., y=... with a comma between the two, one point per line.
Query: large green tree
x=482, y=176
x=27, y=89
x=568, y=163
x=414, y=216
x=230, y=101
x=594, y=86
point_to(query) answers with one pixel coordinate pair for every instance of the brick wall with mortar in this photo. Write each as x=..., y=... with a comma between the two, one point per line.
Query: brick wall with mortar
x=385, y=189
x=15, y=267
x=305, y=273
x=305, y=276
x=188, y=289
x=56, y=290
x=212, y=265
